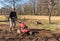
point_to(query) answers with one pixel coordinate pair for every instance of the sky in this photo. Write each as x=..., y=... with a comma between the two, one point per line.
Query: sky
x=21, y=2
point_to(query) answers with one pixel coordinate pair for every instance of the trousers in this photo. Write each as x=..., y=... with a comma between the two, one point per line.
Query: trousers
x=12, y=23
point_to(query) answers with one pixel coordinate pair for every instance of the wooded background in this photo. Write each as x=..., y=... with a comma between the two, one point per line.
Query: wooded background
x=35, y=7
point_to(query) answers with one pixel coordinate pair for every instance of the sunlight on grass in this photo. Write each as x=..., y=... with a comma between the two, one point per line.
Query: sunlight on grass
x=31, y=23
x=2, y=17
x=4, y=22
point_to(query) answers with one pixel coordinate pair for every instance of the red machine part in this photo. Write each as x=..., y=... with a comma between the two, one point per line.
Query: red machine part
x=23, y=26
x=25, y=30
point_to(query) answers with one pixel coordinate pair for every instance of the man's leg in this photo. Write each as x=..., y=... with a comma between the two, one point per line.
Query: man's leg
x=10, y=25
x=14, y=24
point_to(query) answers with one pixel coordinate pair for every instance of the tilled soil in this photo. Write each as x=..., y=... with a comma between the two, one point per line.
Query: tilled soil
x=39, y=35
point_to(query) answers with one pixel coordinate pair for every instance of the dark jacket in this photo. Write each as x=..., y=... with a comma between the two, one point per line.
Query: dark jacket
x=13, y=15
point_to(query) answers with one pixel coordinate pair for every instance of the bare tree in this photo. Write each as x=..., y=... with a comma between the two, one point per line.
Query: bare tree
x=52, y=6
x=34, y=6
x=10, y=3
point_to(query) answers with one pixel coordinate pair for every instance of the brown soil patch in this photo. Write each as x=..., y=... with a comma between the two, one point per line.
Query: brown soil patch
x=39, y=35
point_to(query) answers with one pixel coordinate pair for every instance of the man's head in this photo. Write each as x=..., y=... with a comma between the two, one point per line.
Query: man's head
x=13, y=9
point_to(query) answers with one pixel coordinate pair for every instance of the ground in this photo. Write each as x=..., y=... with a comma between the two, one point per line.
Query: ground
x=39, y=35
x=42, y=32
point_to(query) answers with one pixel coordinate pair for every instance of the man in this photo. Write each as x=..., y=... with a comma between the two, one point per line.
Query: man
x=12, y=19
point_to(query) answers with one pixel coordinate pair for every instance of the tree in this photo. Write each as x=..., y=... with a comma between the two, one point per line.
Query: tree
x=52, y=6
x=10, y=3
x=34, y=6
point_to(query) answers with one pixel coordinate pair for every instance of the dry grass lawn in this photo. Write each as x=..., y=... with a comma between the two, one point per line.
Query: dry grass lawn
x=30, y=21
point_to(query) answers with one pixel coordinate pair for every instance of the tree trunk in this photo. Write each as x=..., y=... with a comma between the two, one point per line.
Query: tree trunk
x=50, y=14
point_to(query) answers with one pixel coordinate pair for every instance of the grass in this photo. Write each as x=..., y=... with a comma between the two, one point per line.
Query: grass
x=49, y=27
x=2, y=17
x=30, y=22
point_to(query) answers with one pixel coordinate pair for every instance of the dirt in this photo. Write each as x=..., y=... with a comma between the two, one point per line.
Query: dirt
x=38, y=35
